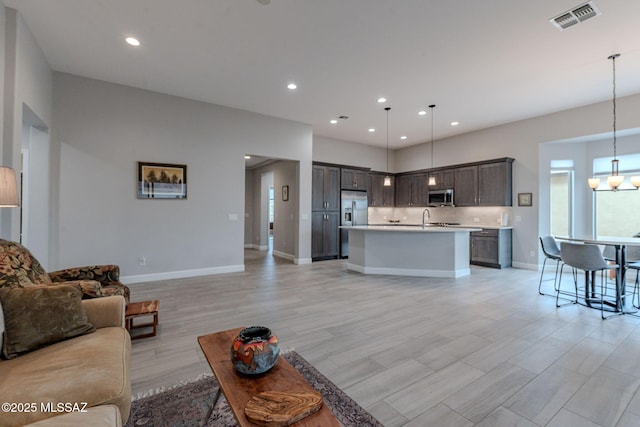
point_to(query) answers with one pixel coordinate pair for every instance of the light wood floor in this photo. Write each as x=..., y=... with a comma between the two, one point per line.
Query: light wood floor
x=483, y=350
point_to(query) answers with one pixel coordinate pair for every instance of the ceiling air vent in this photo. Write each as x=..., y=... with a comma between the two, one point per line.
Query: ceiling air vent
x=576, y=15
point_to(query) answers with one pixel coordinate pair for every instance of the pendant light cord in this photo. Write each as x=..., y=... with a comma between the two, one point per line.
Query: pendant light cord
x=387, y=110
x=432, y=106
x=613, y=58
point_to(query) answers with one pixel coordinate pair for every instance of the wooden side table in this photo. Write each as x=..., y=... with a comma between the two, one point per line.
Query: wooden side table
x=142, y=309
x=239, y=389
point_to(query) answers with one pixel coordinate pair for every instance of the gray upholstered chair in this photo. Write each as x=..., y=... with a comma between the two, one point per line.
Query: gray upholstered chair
x=588, y=258
x=633, y=263
x=551, y=253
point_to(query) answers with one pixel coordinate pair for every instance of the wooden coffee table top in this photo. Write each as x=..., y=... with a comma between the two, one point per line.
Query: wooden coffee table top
x=239, y=389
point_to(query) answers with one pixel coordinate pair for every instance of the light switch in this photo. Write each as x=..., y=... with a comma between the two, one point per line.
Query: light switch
x=233, y=217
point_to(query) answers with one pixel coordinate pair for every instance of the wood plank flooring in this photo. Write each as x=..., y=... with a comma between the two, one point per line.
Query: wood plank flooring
x=483, y=350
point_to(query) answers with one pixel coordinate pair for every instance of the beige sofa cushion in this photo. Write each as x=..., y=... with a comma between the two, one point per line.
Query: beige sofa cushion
x=98, y=416
x=91, y=368
x=38, y=316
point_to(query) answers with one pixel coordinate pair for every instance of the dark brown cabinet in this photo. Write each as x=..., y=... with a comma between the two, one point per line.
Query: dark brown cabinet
x=325, y=235
x=466, y=186
x=411, y=190
x=353, y=179
x=377, y=193
x=484, y=184
x=325, y=188
x=491, y=248
x=325, y=215
x=494, y=184
x=444, y=179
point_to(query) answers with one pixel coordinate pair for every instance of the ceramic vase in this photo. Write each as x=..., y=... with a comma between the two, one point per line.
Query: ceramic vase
x=255, y=350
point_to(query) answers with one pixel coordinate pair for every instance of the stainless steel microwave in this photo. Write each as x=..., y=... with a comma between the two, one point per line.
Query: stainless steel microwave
x=441, y=198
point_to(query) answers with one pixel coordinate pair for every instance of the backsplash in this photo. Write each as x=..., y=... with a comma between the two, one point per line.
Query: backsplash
x=485, y=216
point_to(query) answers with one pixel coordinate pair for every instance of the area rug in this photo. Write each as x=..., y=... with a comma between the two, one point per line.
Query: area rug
x=186, y=405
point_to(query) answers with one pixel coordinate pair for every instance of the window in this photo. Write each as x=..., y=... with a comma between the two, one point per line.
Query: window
x=616, y=212
x=561, y=206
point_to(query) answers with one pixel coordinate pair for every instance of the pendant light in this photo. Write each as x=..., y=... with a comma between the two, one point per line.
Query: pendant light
x=387, y=178
x=432, y=179
x=615, y=179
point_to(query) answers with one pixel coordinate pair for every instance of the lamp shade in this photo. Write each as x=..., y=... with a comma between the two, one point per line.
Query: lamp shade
x=614, y=181
x=635, y=181
x=594, y=182
x=8, y=188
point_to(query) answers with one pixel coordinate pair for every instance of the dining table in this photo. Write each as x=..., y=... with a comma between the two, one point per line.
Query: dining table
x=620, y=245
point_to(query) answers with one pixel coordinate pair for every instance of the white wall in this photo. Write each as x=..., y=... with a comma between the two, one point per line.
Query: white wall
x=340, y=152
x=27, y=80
x=101, y=130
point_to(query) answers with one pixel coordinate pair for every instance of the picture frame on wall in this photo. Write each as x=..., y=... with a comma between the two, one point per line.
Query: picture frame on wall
x=162, y=181
x=285, y=193
x=525, y=199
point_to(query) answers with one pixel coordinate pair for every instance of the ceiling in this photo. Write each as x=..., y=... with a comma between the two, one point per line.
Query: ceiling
x=483, y=63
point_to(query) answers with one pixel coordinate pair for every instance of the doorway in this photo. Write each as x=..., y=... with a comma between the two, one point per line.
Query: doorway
x=34, y=174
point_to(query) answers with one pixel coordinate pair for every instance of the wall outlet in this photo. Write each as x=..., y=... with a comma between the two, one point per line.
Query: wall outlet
x=532, y=254
x=142, y=261
x=518, y=218
x=476, y=219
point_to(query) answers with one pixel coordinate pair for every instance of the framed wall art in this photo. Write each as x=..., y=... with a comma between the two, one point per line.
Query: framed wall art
x=525, y=199
x=162, y=181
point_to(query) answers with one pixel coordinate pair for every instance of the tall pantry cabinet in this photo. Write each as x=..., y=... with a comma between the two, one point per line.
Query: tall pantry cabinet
x=325, y=215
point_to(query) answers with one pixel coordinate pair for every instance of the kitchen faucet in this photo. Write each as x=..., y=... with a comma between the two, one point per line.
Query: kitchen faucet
x=428, y=212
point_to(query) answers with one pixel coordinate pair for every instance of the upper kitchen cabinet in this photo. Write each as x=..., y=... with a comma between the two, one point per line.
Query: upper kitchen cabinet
x=378, y=194
x=444, y=179
x=411, y=190
x=466, y=186
x=494, y=183
x=325, y=188
x=354, y=179
x=484, y=184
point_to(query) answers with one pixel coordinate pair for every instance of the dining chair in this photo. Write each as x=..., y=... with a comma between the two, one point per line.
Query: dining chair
x=551, y=253
x=588, y=258
x=633, y=263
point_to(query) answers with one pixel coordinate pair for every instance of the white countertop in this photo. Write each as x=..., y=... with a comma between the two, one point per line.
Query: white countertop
x=412, y=228
x=474, y=226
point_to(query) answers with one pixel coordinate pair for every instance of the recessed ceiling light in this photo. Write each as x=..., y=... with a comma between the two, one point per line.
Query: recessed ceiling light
x=372, y=130
x=455, y=123
x=132, y=41
x=247, y=157
x=292, y=86
x=333, y=122
x=403, y=137
x=382, y=99
x=422, y=113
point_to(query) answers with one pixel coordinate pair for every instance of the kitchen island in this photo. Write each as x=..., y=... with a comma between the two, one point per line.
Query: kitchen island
x=431, y=251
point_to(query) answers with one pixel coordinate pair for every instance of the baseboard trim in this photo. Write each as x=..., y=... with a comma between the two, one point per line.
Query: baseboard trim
x=256, y=247
x=525, y=266
x=302, y=261
x=127, y=280
x=284, y=255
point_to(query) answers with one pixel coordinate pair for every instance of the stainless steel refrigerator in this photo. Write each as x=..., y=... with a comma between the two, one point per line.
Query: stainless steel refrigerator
x=353, y=211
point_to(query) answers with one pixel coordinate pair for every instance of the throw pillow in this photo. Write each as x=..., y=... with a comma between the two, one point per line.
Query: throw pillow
x=38, y=316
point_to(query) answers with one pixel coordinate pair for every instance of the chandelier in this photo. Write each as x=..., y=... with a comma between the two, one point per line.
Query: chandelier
x=615, y=179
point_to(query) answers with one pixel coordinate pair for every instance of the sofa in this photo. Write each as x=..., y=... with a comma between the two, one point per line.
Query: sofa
x=19, y=268
x=80, y=380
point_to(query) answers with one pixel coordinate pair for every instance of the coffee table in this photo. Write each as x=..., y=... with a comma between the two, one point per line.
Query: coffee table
x=239, y=389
